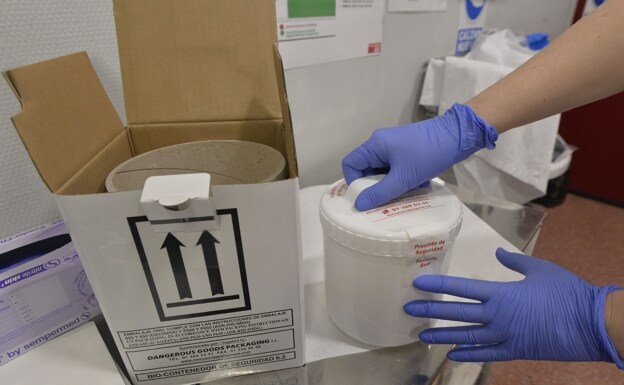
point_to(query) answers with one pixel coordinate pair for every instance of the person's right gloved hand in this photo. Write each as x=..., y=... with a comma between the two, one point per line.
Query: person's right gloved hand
x=551, y=314
x=415, y=153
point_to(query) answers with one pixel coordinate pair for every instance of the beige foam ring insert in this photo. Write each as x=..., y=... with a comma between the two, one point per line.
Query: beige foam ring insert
x=227, y=162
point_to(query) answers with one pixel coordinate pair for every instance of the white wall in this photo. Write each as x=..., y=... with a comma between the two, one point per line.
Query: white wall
x=31, y=31
x=528, y=16
x=335, y=106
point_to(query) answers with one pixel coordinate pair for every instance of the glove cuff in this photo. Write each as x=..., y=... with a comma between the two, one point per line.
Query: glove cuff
x=609, y=347
x=475, y=133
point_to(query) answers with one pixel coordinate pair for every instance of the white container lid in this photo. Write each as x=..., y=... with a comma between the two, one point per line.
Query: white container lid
x=414, y=224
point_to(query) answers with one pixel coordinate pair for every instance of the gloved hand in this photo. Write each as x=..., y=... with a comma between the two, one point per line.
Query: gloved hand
x=551, y=314
x=415, y=153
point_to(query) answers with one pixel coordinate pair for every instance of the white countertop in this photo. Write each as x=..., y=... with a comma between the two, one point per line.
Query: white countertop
x=472, y=256
x=76, y=357
x=80, y=356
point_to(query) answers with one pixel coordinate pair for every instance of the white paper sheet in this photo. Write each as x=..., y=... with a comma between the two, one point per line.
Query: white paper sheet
x=417, y=5
x=328, y=30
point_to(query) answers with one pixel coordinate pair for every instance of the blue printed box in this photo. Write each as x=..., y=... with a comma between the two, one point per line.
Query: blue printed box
x=44, y=290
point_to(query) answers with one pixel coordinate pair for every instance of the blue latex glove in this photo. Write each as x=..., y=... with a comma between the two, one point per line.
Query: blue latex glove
x=537, y=41
x=414, y=153
x=551, y=314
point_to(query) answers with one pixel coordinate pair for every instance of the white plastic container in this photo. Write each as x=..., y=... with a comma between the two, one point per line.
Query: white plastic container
x=372, y=257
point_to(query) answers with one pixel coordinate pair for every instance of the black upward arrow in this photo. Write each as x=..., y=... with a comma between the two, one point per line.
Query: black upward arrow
x=207, y=241
x=177, y=265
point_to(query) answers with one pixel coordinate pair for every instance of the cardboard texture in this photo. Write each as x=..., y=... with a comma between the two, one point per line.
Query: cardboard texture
x=197, y=60
x=65, y=107
x=183, y=307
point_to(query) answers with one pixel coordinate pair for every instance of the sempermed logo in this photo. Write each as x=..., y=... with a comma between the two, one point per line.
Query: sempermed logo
x=474, y=11
x=51, y=264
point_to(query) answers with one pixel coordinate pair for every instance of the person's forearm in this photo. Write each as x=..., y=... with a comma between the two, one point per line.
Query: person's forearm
x=614, y=319
x=585, y=64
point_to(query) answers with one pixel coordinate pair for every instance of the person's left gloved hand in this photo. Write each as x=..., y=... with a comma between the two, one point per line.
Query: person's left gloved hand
x=552, y=314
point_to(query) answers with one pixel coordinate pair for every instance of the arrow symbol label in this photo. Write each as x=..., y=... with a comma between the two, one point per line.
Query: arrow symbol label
x=173, y=246
x=185, y=284
x=207, y=242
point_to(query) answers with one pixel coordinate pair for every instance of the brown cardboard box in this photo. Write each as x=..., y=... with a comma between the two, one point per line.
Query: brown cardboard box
x=189, y=73
x=192, y=70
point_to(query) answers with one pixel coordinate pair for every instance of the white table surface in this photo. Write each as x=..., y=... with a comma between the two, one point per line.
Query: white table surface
x=80, y=356
x=472, y=256
x=76, y=357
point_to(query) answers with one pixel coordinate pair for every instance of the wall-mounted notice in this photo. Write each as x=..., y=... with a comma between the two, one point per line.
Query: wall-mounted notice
x=590, y=5
x=416, y=5
x=321, y=31
x=471, y=22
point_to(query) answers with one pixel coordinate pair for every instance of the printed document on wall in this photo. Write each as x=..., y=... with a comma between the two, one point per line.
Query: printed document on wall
x=416, y=5
x=471, y=23
x=322, y=31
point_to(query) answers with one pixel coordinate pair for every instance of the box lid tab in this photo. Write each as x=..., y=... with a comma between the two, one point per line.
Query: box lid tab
x=197, y=60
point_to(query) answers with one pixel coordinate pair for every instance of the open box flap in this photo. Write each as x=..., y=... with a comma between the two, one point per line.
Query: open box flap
x=288, y=137
x=276, y=133
x=73, y=148
x=197, y=60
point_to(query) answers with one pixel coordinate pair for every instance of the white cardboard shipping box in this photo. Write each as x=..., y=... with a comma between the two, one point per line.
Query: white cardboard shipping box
x=183, y=307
